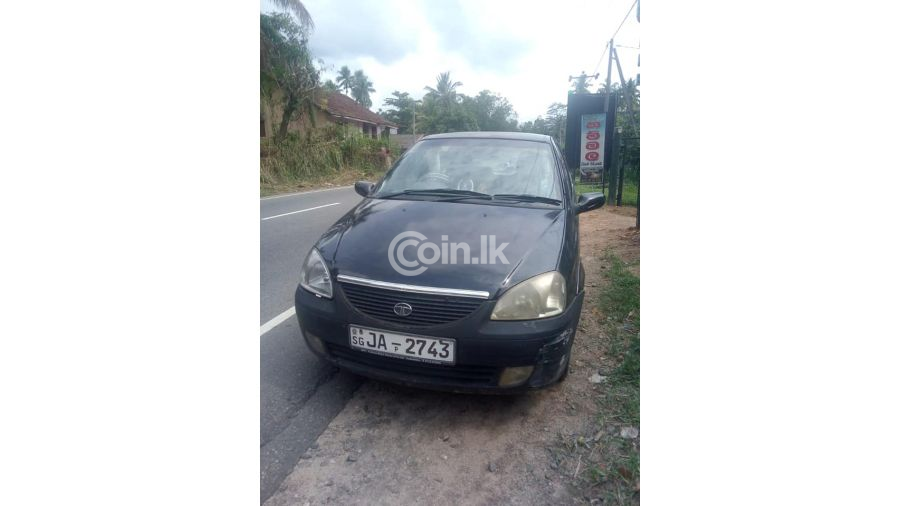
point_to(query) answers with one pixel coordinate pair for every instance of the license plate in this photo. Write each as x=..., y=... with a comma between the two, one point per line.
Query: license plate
x=418, y=348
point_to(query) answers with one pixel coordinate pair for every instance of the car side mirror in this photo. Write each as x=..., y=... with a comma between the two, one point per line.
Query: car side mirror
x=364, y=188
x=589, y=202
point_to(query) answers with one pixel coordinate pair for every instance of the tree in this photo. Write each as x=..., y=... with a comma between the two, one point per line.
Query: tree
x=554, y=124
x=440, y=117
x=625, y=95
x=629, y=94
x=556, y=121
x=602, y=88
x=330, y=86
x=400, y=110
x=538, y=126
x=299, y=10
x=443, y=110
x=437, y=116
x=345, y=79
x=446, y=88
x=360, y=88
x=493, y=112
x=286, y=65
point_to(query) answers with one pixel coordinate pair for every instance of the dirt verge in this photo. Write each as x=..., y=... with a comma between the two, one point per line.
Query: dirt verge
x=396, y=445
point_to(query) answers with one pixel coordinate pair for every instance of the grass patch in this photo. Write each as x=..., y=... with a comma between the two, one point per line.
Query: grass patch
x=620, y=302
x=629, y=191
x=617, y=474
x=629, y=370
x=629, y=194
x=621, y=297
x=324, y=155
x=608, y=455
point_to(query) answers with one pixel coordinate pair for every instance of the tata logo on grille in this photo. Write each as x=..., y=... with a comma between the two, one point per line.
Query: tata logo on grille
x=402, y=309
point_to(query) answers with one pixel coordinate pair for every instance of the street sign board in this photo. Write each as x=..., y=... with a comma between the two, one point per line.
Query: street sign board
x=589, y=135
x=593, y=137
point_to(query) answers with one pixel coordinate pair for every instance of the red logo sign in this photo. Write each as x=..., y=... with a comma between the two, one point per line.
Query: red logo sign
x=593, y=124
x=592, y=136
x=592, y=156
x=592, y=145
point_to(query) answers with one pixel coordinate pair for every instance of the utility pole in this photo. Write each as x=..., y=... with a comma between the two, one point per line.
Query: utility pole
x=611, y=170
x=609, y=74
x=414, y=118
x=628, y=105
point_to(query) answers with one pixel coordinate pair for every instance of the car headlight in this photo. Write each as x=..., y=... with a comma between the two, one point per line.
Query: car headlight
x=314, y=275
x=539, y=297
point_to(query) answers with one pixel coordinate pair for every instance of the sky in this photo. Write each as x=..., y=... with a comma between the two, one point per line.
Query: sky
x=522, y=50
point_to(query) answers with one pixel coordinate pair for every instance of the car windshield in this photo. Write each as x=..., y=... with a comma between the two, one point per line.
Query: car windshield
x=487, y=166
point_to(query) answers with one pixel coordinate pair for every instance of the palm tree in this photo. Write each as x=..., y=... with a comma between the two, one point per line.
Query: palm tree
x=361, y=87
x=330, y=86
x=446, y=88
x=345, y=79
x=630, y=103
x=286, y=65
x=299, y=10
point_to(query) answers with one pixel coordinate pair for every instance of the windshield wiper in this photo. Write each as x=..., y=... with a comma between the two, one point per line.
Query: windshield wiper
x=527, y=198
x=441, y=192
x=449, y=194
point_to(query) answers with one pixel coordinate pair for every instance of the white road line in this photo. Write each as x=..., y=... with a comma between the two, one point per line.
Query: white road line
x=274, y=322
x=303, y=193
x=300, y=211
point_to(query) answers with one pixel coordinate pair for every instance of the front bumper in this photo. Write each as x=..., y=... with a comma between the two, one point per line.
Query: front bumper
x=484, y=348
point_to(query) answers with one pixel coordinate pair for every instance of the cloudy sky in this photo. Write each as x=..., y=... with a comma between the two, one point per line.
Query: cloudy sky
x=524, y=51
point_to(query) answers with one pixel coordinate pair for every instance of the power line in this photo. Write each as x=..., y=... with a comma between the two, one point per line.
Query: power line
x=614, y=35
x=597, y=67
x=624, y=19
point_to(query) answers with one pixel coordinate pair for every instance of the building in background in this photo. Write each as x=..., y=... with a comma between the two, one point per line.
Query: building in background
x=405, y=141
x=332, y=108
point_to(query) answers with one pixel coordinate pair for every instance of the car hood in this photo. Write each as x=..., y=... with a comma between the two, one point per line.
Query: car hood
x=358, y=244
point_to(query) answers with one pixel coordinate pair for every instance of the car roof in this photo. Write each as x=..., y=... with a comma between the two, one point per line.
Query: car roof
x=520, y=136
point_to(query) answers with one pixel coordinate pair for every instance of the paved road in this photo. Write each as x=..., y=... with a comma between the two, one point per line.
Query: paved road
x=299, y=395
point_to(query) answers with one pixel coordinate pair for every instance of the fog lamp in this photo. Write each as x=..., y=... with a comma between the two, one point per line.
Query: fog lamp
x=315, y=342
x=513, y=376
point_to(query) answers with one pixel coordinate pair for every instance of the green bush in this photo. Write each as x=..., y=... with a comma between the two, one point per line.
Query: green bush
x=320, y=153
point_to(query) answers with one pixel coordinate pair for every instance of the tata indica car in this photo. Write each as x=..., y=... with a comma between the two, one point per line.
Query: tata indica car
x=459, y=271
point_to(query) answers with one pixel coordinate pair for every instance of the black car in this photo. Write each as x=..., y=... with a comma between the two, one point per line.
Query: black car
x=460, y=270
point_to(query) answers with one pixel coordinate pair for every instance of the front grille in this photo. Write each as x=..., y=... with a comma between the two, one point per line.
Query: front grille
x=427, y=309
x=459, y=374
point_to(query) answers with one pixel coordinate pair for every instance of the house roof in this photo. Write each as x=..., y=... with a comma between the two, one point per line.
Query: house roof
x=343, y=106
